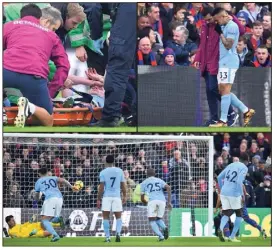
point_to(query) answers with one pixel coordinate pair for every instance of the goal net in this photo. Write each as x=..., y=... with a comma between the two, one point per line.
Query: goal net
x=184, y=162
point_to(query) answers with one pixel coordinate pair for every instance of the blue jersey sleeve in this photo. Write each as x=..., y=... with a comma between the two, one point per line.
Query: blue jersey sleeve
x=232, y=31
x=122, y=177
x=162, y=184
x=101, y=176
x=221, y=177
x=142, y=188
x=37, y=186
x=241, y=177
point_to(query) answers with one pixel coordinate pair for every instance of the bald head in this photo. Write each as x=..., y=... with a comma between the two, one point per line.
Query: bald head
x=150, y=172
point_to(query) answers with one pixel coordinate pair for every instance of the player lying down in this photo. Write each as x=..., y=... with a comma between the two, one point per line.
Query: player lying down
x=29, y=229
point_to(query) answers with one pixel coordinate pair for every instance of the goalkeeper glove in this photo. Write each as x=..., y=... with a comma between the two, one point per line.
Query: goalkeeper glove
x=34, y=232
x=218, y=29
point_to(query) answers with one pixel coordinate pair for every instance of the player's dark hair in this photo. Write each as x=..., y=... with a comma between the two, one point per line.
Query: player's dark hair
x=217, y=11
x=150, y=172
x=110, y=159
x=8, y=218
x=244, y=157
x=207, y=10
x=257, y=24
x=43, y=171
x=31, y=10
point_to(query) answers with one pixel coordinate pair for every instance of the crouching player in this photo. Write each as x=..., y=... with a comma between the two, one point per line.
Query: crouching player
x=53, y=202
x=154, y=187
x=29, y=229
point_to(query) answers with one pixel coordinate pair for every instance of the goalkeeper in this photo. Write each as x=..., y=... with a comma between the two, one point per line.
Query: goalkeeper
x=29, y=229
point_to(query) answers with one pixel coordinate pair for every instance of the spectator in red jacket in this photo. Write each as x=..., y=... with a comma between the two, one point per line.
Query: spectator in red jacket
x=256, y=39
x=261, y=59
x=26, y=64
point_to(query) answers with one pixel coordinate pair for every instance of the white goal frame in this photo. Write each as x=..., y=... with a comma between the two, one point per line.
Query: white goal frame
x=210, y=139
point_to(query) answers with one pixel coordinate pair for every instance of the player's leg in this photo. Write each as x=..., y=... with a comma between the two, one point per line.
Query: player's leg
x=117, y=209
x=252, y=222
x=152, y=217
x=247, y=113
x=159, y=219
x=106, y=208
x=226, y=213
x=51, y=208
x=35, y=100
x=236, y=203
x=211, y=98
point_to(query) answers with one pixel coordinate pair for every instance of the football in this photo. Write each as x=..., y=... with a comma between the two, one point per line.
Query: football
x=79, y=184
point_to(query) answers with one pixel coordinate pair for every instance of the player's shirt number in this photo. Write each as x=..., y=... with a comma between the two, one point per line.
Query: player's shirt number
x=49, y=183
x=113, y=180
x=151, y=187
x=231, y=177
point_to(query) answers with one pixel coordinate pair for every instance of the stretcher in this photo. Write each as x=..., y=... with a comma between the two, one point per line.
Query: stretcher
x=62, y=116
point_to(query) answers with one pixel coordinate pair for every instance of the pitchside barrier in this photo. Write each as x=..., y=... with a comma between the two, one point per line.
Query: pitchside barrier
x=176, y=96
x=89, y=222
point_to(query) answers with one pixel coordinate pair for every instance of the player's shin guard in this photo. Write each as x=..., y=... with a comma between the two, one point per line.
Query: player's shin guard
x=155, y=228
x=118, y=226
x=160, y=223
x=225, y=104
x=236, y=227
x=106, y=225
x=48, y=227
x=252, y=223
x=223, y=222
x=238, y=104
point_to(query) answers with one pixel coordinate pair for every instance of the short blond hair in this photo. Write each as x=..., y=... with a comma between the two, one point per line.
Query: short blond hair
x=75, y=9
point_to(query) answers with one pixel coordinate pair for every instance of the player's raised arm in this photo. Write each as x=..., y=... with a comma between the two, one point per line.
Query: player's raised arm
x=66, y=183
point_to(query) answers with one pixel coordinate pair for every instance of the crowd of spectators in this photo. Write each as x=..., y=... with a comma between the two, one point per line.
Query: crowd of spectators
x=183, y=166
x=169, y=33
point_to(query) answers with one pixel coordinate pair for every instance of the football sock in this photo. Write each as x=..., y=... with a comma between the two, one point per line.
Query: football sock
x=160, y=223
x=48, y=227
x=155, y=228
x=118, y=226
x=236, y=227
x=238, y=104
x=225, y=104
x=223, y=222
x=106, y=225
x=55, y=220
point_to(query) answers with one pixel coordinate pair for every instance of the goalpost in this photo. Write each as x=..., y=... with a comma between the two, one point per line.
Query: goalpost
x=184, y=162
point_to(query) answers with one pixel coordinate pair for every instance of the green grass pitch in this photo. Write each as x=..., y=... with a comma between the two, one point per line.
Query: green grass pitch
x=136, y=242
x=203, y=129
x=75, y=129
x=122, y=129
